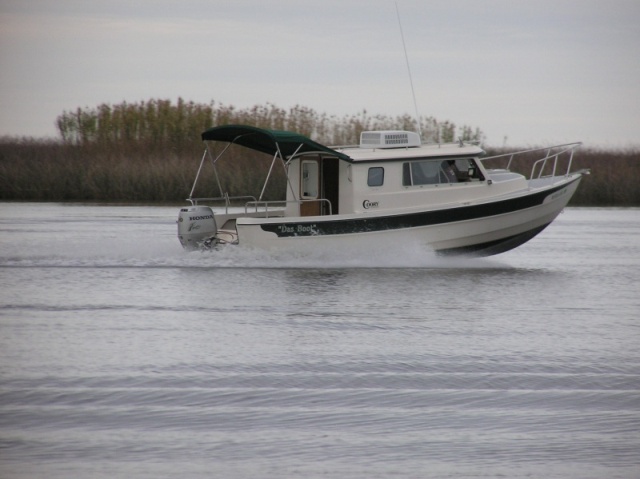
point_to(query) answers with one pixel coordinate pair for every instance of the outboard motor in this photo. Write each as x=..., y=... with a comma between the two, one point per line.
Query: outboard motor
x=196, y=225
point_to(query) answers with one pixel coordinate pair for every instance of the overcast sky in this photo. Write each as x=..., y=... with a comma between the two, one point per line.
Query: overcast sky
x=528, y=72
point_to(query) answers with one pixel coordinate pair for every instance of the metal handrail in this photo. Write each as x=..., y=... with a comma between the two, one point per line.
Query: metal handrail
x=266, y=204
x=319, y=200
x=552, y=153
x=226, y=198
x=256, y=205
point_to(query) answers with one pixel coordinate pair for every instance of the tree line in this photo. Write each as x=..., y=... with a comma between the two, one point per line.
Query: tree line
x=150, y=151
x=162, y=122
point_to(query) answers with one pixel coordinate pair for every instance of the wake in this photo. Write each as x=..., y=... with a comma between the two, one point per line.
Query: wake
x=165, y=252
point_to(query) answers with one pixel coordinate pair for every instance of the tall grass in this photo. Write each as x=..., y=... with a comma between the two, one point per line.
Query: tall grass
x=162, y=122
x=150, y=152
x=33, y=170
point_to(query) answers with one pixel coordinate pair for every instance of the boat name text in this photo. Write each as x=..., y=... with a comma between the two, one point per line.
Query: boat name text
x=366, y=204
x=297, y=229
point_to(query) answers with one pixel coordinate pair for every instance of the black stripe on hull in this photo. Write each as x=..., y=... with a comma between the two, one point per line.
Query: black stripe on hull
x=410, y=220
x=493, y=247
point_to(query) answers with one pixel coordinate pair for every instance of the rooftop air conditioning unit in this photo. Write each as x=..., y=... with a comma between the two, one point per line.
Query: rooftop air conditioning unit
x=389, y=139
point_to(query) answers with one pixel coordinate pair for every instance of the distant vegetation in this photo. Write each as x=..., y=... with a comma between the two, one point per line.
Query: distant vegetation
x=149, y=151
x=160, y=122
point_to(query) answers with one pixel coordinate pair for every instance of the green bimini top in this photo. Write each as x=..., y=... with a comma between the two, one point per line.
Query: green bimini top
x=268, y=141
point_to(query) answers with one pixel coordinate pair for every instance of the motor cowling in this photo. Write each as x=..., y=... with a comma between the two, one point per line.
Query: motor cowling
x=196, y=224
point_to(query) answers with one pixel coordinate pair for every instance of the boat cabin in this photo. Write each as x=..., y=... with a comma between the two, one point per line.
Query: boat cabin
x=388, y=170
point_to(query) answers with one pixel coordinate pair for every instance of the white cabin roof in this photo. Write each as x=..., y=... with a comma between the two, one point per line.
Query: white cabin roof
x=424, y=151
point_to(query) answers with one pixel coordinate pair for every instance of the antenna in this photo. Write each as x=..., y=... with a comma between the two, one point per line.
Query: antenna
x=406, y=57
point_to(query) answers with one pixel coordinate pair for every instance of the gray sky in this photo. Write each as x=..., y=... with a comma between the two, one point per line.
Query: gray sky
x=533, y=72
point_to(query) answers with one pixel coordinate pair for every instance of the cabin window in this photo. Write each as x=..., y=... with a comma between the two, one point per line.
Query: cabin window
x=406, y=174
x=376, y=176
x=421, y=173
x=436, y=172
x=310, y=179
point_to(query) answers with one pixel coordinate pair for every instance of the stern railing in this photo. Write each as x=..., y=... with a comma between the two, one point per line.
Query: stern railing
x=263, y=206
x=226, y=199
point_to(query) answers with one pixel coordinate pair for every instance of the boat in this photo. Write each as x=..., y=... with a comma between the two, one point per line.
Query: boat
x=451, y=198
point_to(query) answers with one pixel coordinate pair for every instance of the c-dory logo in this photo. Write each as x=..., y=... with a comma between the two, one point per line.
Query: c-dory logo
x=366, y=204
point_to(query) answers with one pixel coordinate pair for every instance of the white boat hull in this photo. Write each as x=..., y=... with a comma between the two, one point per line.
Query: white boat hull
x=478, y=229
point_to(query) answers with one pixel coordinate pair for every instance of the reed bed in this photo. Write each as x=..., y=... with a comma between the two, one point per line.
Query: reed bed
x=33, y=170
x=150, y=152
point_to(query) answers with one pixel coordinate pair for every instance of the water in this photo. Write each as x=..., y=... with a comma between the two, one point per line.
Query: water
x=123, y=356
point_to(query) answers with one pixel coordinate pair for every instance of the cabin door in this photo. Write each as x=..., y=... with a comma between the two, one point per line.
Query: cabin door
x=330, y=182
x=310, y=187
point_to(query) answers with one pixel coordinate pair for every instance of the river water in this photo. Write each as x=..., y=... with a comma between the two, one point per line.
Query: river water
x=123, y=356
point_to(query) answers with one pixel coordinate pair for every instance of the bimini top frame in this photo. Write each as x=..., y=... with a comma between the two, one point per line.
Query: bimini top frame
x=285, y=145
x=289, y=144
